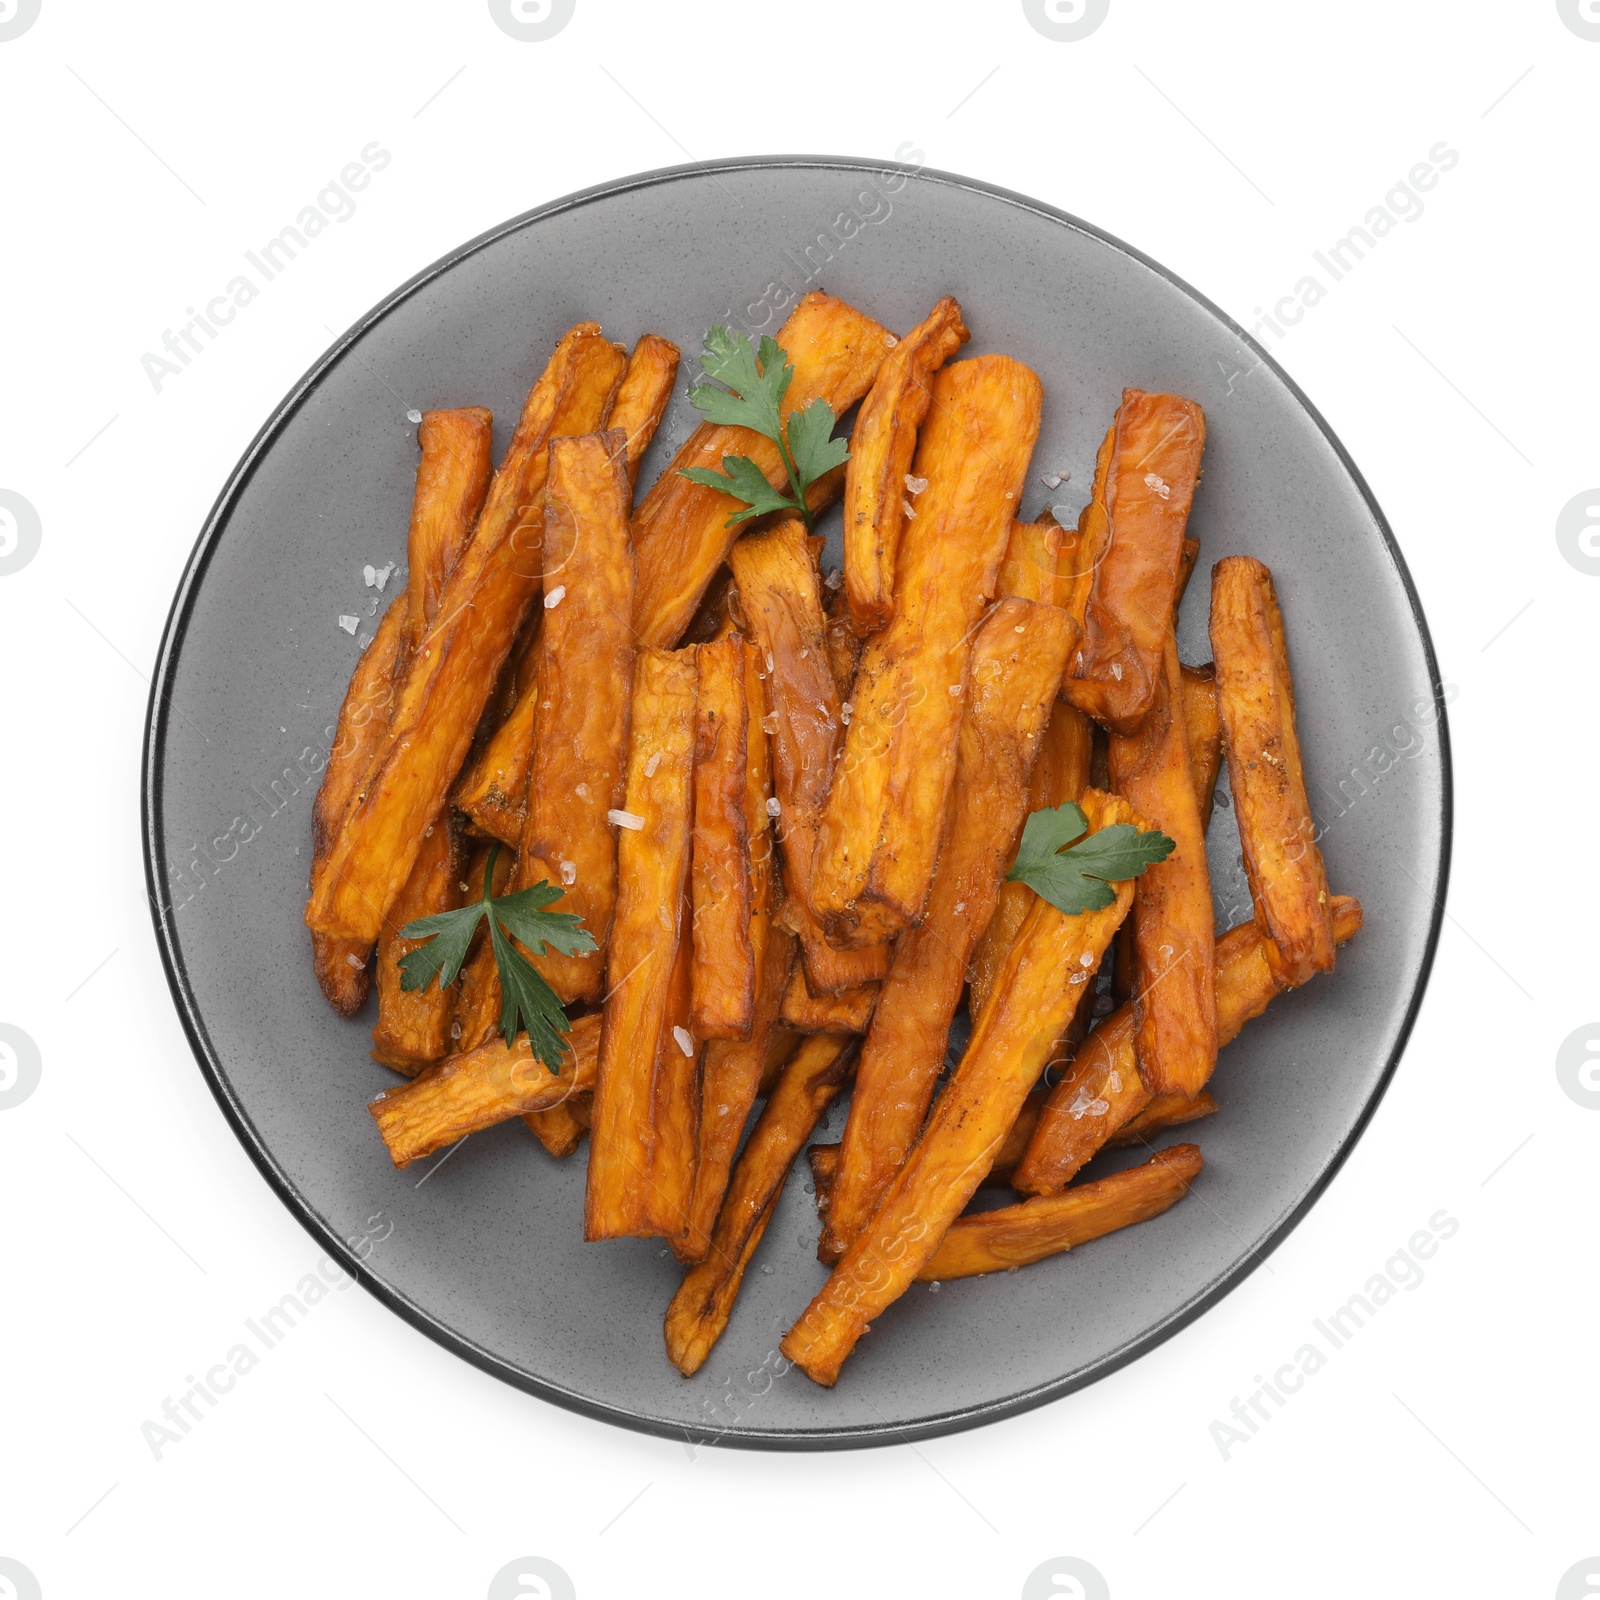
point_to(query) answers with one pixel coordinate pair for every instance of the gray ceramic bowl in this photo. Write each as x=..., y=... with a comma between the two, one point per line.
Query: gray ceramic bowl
x=484, y=1252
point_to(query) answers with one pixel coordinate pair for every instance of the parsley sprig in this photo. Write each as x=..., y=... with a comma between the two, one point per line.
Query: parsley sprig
x=523, y=992
x=1080, y=879
x=747, y=391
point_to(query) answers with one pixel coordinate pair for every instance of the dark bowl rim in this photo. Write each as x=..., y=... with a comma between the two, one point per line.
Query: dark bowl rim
x=155, y=862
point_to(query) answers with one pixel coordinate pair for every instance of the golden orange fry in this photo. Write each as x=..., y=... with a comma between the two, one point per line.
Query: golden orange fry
x=734, y=1071
x=413, y=1026
x=342, y=965
x=778, y=593
x=701, y=1307
x=653, y=852
x=878, y=836
x=878, y=496
x=1148, y=488
x=724, y=984
x=642, y=398
x=1204, y=724
x=493, y=791
x=1029, y=568
x=1011, y=1041
x=668, y=1199
x=1017, y=1235
x=1255, y=696
x=452, y=480
x=680, y=530
x=824, y=1158
x=580, y=726
x=560, y=1129
x=847, y=1011
x=1017, y=660
x=454, y=671
x=1101, y=1090
x=1164, y=1111
x=468, y=1093
x=1174, y=943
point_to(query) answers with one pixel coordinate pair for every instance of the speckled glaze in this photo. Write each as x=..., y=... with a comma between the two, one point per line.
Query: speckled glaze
x=487, y=1256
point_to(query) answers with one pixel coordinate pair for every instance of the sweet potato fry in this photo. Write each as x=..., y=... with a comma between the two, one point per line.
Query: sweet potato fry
x=560, y=1129
x=724, y=983
x=1101, y=1092
x=1255, y=696
x=341, y=965
x=842, y=641
x=824, y=1158
x=879, y=832
x=668, y=1196
x=680, y=530
x=467, y=1093
x=876, y=492
x=1060, y=773
x=1029, y=568
x=1174, y=945
x=1017, y=660
x=648, y=924
x=1165, y=1111
x=1203, y=722
x=700, y=1309
x=1010, y=1044
x=413, y=1027
x=733, y=1072
x=1015, y=1236
x=847, y=1011
x=1133, y=546
x=454, y=671
x=493, y=791
x=452, y=480
x=580, y=727
x=1187, y=557
x=642, y=398
x=778, y=593
x=781, y=1048
x=1080, y=557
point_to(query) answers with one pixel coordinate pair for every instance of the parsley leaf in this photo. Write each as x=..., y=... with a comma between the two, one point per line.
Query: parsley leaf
x=524, y=993
x=812, y=444
x=744, y=480
x=747, y=391
x=1080, y=879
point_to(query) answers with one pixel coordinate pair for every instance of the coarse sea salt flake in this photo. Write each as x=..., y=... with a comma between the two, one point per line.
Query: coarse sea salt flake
x=685, y=1040
x=774, y=807
x=1158, y=485
x=770, y=722
x=569, y=873
x=624, y=819
x=907, y=507
x=916, y=485
x=350, y=624
x=555, y=597
x=651, y=765
x=413, y=415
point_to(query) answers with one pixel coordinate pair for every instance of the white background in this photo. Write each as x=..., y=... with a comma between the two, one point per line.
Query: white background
x=1448, y=1448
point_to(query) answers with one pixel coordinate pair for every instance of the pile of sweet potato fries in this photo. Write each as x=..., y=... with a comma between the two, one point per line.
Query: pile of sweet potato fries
x=785, y=803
